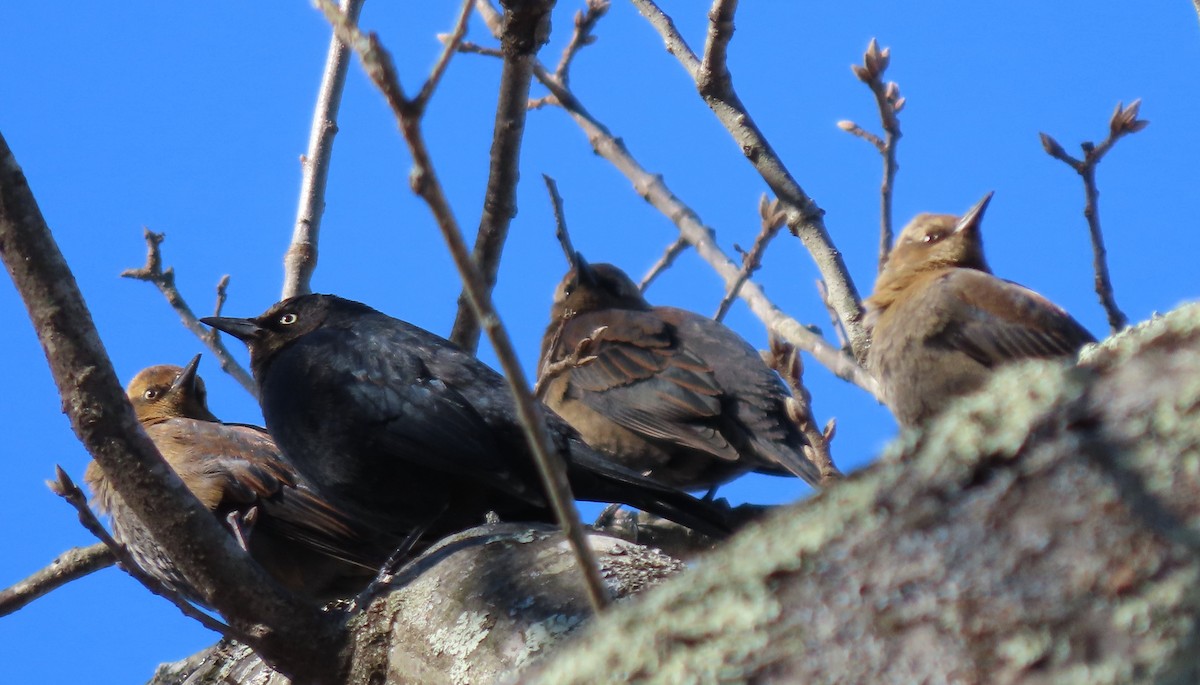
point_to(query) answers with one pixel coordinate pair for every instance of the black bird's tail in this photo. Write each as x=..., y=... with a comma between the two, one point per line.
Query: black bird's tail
x=597, y=479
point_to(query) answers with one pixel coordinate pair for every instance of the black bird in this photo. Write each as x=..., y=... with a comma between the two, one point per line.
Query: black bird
x=237, y=472
x=664, y=391
x=941, y=323
x=397, y=423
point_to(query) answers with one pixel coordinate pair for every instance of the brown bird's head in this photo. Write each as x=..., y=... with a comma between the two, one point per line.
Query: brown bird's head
x=931, y=242
x=594, y=287
x=166, y=391
x=276, y=328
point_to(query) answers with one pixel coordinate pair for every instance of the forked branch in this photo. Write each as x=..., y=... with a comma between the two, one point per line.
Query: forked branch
x=1124, y=121
x=164, y=279
x=890, y=102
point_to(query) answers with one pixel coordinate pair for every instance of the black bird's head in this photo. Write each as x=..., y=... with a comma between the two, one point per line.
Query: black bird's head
x=936, y=241
x=274, y=329
x=594, y=287
x=166, y=391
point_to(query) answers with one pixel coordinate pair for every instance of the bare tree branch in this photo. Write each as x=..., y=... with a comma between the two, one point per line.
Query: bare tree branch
x=890, y=102
x=526, y=29
x=773, y=219
x=379, y=67
x=290, y=634
x=786, y=360
x=833, y=316
x=66, y=488
x=664, y=262
x=804, y=216
x=164, y=280
x=1123, y=122
x=449, y=48
x=301, y=258
x=581, y=37
x=69, y=566
x=655, y=191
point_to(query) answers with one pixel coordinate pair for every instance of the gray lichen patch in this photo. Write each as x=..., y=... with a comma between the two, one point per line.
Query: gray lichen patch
x=1040, y=532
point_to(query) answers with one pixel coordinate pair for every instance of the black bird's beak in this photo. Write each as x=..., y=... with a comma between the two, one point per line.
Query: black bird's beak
x=242, y=329
x=186, y=380
x=974, y=215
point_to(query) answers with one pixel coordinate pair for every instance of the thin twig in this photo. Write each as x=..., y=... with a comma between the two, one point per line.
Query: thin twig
x=890, y=102
x=786, y=360
x=104, y=422
x=585, y=22
x=840, y=332
x=66, y=488
x=450, y=45
x=1124, y=121
x=526, y=29
x=805, y=218
x=71, y=565
x=773, y=219
x=300, y=260
x=378, y=65
x=580, y=356
x=664, y=262
x=654, y=190
x=164, y=280
x=477, y=49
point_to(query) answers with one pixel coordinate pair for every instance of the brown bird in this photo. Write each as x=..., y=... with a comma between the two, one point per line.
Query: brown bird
x=238, y=473
x=668, y=392
x=942, y=323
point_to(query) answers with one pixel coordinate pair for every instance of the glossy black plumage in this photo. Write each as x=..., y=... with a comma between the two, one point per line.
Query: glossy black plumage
x=941, y=323
x=401, y=426
x=667, y=392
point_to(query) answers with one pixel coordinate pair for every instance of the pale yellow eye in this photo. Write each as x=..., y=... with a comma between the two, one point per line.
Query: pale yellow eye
x=150, y=394
x=287, y=319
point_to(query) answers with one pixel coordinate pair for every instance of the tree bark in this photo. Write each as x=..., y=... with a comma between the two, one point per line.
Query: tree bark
x=1044, y=531
x=480, y=605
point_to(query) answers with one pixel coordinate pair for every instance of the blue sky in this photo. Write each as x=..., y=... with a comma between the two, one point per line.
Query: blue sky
x=189, y=119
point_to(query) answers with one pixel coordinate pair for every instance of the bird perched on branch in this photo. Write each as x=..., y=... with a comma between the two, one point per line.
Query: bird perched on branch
x=237, y=472
x=941, y=323
x=400, y=425
x=664, y=391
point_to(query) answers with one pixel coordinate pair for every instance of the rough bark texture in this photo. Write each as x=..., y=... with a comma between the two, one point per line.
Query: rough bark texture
x=1046, y=531
x=482, y=604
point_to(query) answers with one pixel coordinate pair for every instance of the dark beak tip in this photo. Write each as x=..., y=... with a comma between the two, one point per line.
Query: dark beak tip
x=242, y=329
x=187, y=377
x=974, y=215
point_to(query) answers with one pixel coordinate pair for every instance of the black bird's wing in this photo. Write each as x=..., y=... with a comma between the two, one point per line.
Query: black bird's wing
x=425, y=403
x=645, y=380
x=996, y=321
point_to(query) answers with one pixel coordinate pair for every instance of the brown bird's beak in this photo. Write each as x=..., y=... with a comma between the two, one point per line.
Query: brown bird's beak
x=974, y=215
x=242, y=329
x=583, y=271
x=186, y=380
